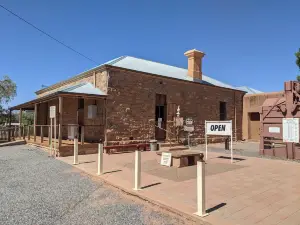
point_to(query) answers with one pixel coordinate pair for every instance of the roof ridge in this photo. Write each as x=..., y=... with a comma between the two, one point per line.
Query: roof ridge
x=156, y=62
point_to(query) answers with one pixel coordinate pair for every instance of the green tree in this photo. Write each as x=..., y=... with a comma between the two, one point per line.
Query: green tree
x=8, y=90
x=297, y=54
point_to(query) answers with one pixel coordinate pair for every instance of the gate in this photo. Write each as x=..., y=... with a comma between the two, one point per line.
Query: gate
x=273, y=112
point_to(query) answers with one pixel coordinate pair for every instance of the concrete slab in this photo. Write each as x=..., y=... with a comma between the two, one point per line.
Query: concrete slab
x=249, y=191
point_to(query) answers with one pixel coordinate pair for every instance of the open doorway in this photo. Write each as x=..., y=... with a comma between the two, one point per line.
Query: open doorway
x=160, y=117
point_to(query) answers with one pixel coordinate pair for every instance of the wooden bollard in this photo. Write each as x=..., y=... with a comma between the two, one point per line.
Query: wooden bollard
x=75, y=151
x=137, y=170
x=100, y=158
x=201, y=210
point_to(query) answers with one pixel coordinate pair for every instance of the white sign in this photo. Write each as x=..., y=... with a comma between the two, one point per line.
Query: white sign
x=166, y=159
x=159, y=122
x=189, y=121
x=218, y=128
x=274, y=130
x=188, y=128
x=290, y=130
x=52, y=111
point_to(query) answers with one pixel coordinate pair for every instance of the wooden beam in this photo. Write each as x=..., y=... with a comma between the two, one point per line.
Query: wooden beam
x=20, y=123
x=60, y=109
x=34, y=122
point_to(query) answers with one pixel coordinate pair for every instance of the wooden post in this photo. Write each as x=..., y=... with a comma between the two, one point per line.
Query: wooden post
x=55, y=137
x=137, y=170
x=49, y=134
x=20, y=123
x=9, y=126
x=28, y=132
x=42, y=134
x=75, y=151
x=82, y=135
x=23, y=130
x=105, y=123
x=100, y=158
x=60, y=109
x=34, y=122
x=201, y=210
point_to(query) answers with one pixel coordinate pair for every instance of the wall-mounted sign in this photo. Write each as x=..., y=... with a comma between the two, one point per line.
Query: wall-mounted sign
x=52, y=111
x=274, y=130
x=290, y=130
x=166, y=159
x=189, y=121
x=218, y=128
x=189, y=128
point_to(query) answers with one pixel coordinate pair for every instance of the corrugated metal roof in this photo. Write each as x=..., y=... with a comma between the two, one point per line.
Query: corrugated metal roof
x=249, y=90
x=83, y=88
x=147, y=66
x=142, y=65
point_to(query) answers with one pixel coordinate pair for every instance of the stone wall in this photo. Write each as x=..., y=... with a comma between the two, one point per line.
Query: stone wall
x=131, y=104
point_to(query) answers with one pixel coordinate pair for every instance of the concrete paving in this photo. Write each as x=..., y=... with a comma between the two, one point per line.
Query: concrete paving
x=36, y=189
x=250, y=191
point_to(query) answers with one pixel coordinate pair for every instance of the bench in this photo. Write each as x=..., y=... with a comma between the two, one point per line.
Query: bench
x=126, y=148
x=183, y=158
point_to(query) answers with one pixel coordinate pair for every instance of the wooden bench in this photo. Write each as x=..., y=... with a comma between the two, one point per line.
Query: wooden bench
x=183, y=158
x=126, y=148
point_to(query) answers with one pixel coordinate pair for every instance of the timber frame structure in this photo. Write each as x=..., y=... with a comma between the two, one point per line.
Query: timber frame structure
x=69, y=114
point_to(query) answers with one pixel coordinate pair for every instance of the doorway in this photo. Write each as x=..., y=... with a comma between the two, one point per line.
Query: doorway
x=254, y=126
x=160, y=117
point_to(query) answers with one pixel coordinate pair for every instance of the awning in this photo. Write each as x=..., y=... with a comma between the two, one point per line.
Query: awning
x=81, y=90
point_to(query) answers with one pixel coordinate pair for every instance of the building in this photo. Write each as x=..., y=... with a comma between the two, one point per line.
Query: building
x=135, y=99
x=251, y=113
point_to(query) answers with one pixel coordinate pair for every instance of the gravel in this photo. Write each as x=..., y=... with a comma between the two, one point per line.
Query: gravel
x=36, y=189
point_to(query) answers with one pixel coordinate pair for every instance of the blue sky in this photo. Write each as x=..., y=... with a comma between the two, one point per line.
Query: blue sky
x=249, y=42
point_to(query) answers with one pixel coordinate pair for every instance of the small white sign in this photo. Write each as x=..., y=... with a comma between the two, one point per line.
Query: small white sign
x=159, y=122
x=274, y=130
x=178, y=121
x=52, y=111
x=189, y=128
x=219, y=128
x=189, y=121
x=290, y=130
x=166, y=159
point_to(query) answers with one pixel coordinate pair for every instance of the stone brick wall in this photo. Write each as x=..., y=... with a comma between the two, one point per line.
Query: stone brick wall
x=131, y=104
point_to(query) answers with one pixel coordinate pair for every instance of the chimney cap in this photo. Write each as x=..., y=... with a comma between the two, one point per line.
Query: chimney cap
x=194, y=53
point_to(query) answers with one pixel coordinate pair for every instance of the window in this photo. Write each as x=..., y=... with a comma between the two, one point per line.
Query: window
x=223, y=114
x=80, y=103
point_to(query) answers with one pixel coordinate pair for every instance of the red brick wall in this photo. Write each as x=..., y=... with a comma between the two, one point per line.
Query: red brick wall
x=131, y=104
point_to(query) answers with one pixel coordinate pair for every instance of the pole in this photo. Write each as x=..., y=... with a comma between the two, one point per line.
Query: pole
x=231, y=145
x=55, y=149
x=28, y=132
x=100, y=158
x=201, y=210
x=51, y=135
x=75, y=151
x=189, y=140
x=137, y=170
x=82, y=135
x=42, y=135
x=205, y=142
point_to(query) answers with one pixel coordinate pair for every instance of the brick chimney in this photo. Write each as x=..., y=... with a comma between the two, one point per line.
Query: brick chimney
x=194, y=63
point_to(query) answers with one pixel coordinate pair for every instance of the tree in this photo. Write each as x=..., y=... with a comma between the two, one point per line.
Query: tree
x=8, y=90
x=297, y=54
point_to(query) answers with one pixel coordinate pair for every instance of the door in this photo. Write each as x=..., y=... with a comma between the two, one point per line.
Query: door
x=254, y=126
x=160, y=117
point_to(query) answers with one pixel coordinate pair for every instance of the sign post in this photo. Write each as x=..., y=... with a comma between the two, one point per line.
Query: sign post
x=219, y=128
x=189, y=127
x=52, y=115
